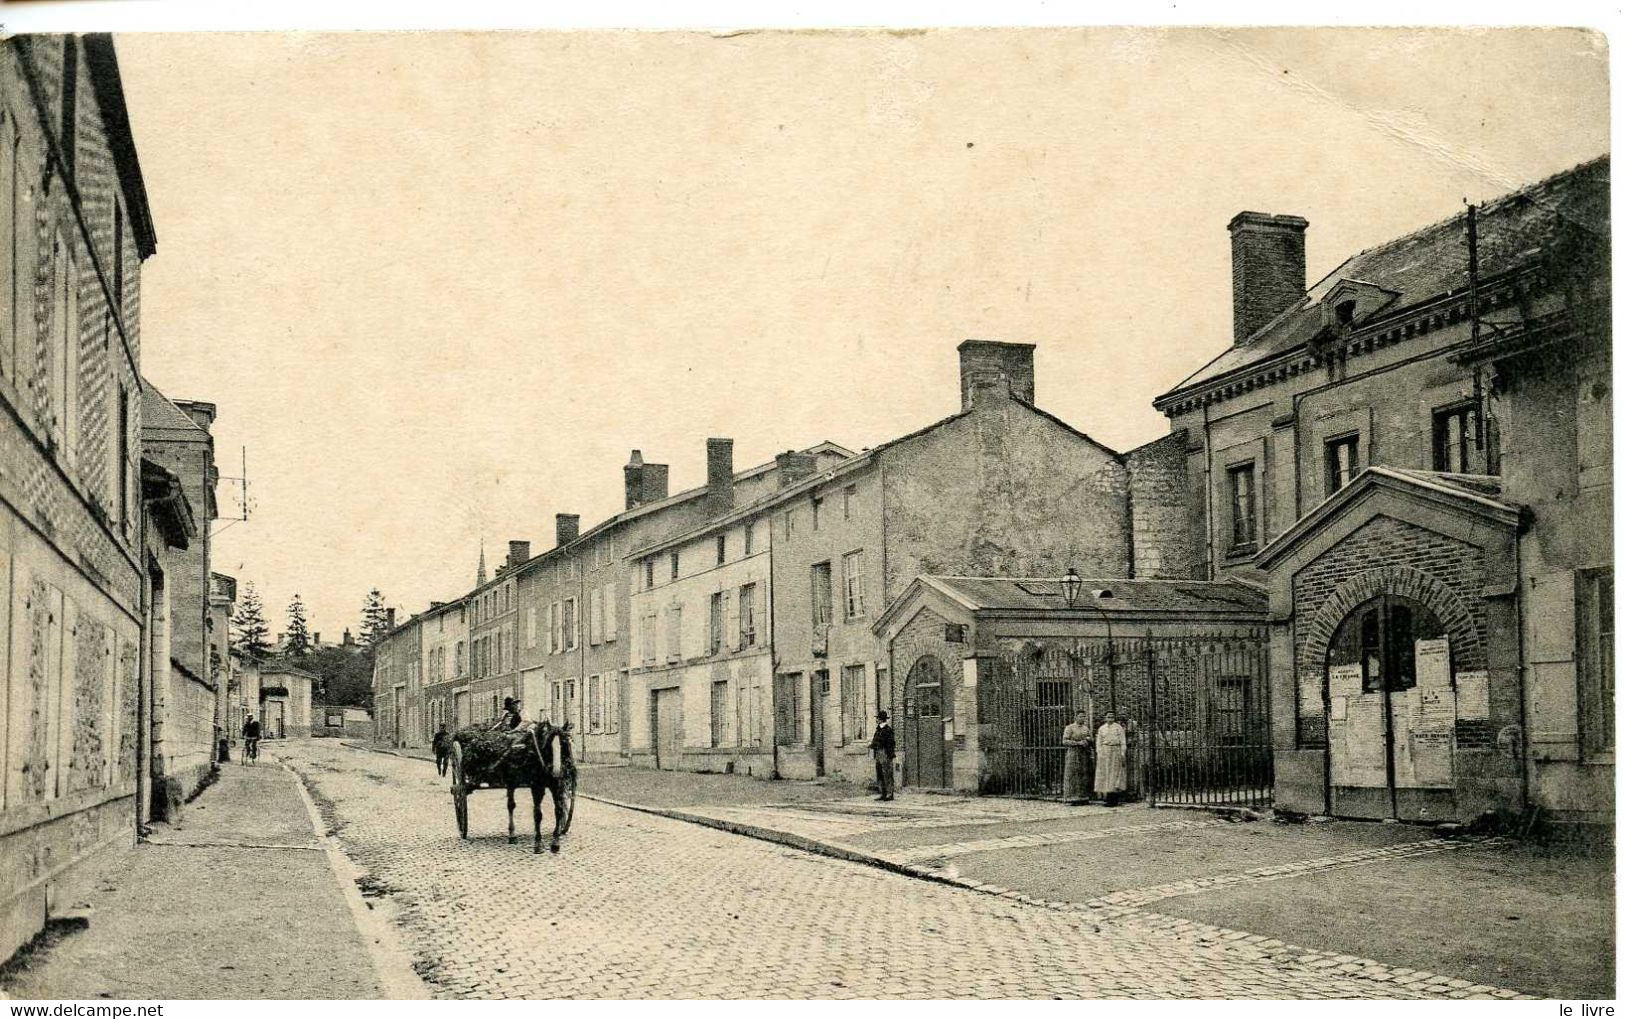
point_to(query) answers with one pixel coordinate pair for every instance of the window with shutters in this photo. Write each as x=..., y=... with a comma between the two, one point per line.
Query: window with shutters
x=10, y=210
x=1342, y=462
x=787, y=721
x=852, y=573
x=530, y=627
x=822, y=595
x=595, y=617
x=718, y=614
x=674, y=633
x=612, y=624
x=676, y=564
x=817, y=512
x=854, y=708
x=648, y=574
x=556, y=618
x=747, y=616
x=849, y=499
x=1594, y=642
x=789, y=522
x=1243, y=509
x=722, y=549
x=595, y=705
x=750, y=535
x=64, y=377
x=1455, y=440
x=719, y=712
x=648, y=635
x=572, y=625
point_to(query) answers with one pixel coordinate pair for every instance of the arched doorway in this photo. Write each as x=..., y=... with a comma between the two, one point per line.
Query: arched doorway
x=925, y=758
x=1390, y=740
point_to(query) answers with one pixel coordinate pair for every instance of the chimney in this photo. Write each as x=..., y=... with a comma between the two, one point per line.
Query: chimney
x=316, y=639
x=201, y=413
x=518, y=552
x=795, y=466
x=634, y=479
x=349, y=638
x=1266, y=268
x=656, y=480
x=566, y=527
x=719, y=475
x=1003, y=367
x=389, y=619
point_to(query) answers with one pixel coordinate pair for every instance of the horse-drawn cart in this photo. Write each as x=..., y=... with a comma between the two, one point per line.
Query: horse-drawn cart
x=537, y=755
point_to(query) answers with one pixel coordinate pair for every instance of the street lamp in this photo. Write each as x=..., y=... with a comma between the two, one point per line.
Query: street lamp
x=1071, y=585
x=1071, y=589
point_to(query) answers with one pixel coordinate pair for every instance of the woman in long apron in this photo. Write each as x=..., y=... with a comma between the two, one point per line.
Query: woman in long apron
x=1111, y=760
x=1075, y=778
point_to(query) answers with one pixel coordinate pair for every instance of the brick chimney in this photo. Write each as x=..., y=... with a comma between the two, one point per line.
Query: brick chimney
x=985, y=363
x=566, y=527
x=719, y=475
x=634, y=479
x=795, y=466
x=656, y=482
x=1266, y=268
x=645, y=483
x=518, y=552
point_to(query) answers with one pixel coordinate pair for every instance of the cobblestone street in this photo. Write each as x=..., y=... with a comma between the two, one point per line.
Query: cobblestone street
x=639, y=906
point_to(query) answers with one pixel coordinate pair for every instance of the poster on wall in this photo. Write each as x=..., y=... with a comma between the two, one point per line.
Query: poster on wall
x=1344, y=680
x=1309, y=702
x=1473, y=695
x=1433, y=663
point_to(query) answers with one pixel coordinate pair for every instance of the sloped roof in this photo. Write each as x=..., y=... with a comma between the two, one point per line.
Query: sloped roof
x=847, y=466
x=1477, y=494
x=159, y=413
x=1032, y=594
x=1432, y=261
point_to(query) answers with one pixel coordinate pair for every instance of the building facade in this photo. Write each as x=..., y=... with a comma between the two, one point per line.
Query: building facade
x=188, y=701
x=796, y=580
x=74, y=230
x=1414, y=457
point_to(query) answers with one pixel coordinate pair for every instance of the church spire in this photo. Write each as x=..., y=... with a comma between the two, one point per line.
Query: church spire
x=479, y=577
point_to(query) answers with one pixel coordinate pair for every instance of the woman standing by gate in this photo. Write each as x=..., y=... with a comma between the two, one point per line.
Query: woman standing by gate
x=1075, y=777
x=1111, y=760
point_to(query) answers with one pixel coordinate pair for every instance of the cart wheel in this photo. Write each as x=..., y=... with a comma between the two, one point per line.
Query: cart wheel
x=459, y=792
x=568, y=803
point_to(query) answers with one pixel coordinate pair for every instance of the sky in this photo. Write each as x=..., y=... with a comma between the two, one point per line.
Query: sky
x=441, y=284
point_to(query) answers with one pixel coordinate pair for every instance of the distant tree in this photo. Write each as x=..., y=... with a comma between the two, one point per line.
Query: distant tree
x=374, y=619
x=298, y=640
x=346, y=676
x=250, y=636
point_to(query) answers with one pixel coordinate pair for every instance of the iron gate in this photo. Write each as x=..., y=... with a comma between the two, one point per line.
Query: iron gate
x=1196, y=710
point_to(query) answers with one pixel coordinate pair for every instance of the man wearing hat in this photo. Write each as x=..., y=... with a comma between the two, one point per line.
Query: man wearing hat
x=884, y=747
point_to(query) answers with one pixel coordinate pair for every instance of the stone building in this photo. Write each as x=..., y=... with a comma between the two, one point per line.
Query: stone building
x=188, y=702
x=1414, y=457
x=992, y=669
x=444, y=635
x=74, y=230
x=285, y=695
x=798, y=577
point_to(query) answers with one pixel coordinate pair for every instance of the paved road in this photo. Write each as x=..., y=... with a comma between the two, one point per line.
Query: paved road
x=638, y=906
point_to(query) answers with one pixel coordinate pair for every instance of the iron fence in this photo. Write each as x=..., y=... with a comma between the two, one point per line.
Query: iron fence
x=1196, y=710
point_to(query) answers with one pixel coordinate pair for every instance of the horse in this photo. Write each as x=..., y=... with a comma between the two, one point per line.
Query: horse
x=540, y=757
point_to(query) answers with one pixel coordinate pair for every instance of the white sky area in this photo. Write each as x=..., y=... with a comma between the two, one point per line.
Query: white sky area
x=441, y=284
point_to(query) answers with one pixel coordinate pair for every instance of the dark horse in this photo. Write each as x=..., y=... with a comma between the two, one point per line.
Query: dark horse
x=540, y=757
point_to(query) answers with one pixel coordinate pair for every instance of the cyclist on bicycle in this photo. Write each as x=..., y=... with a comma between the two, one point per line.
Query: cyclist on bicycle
x=251, y=738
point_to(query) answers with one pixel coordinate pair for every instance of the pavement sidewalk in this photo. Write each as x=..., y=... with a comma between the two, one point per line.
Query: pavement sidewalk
x=240, y=899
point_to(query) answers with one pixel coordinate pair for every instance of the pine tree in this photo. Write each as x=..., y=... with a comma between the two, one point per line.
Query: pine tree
x=298, y=639
x=374, y=619
x=250, y=636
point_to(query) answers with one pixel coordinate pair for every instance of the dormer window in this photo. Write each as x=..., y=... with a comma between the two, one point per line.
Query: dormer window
x=1345, y=313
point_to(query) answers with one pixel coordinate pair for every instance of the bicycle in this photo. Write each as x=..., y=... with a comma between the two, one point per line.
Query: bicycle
x=251, y=751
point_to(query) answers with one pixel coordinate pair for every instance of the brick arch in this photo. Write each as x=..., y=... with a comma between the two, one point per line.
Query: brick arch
x=1466, y=642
